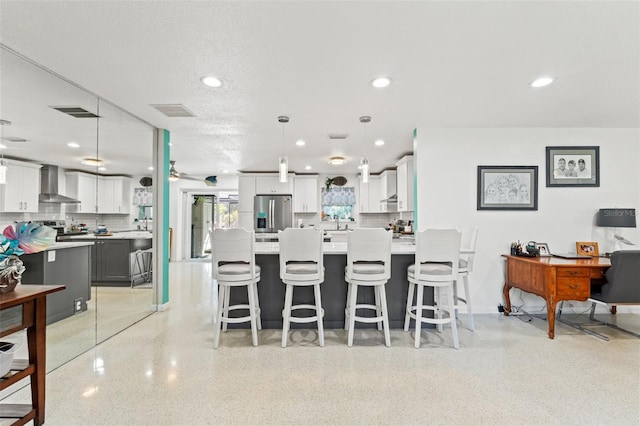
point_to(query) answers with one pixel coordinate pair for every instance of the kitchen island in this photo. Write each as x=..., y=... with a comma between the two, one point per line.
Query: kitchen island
x=112, y=256
x=62, y=263
x=333, y=290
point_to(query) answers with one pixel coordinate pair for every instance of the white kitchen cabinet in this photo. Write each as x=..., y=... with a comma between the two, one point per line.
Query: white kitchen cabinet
x=305, y=194
x=82, y=187
x=272, y=185
x=113, y=194
x=387, y=187
x=370, y=195
x=246, y=192
x=20, y=192
x=405, y=184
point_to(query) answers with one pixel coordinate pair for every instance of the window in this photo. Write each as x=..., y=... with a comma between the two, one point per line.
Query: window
x=338, y=202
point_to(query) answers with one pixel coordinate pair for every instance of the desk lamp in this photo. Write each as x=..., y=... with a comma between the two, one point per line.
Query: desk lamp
x=617, y=218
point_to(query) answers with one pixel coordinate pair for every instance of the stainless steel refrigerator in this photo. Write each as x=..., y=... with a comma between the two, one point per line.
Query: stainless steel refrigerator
x=272, y=213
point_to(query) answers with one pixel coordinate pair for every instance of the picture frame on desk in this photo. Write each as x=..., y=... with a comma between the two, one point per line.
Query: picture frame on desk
x=577, y=166
x=544, y=249
x=507, y=188
x=587, y=248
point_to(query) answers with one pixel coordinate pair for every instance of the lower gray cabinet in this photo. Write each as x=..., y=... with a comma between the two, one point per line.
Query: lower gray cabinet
x=110, y=260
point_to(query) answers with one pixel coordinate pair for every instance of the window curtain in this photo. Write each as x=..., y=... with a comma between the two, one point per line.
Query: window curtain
x=339, y=196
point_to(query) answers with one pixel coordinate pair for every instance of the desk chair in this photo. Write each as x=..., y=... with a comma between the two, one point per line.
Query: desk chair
x=622, y=287
x=368, y=264
x=234, y=265
x=436, y=265
x=465, y=267
x=301, y=264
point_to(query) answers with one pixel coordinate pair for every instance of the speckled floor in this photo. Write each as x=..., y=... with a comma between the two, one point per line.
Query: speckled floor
x=164, y=371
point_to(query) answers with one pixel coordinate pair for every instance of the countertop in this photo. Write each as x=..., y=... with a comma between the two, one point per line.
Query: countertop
x=400, y=247
x=128, y=235
x=68, y=244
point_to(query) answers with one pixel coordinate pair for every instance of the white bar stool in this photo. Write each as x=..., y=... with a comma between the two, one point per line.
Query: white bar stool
x=368, y=264
x=301, y=264
x=234, y=265
x=465, y=267
x=141, y=266
x=436, y=265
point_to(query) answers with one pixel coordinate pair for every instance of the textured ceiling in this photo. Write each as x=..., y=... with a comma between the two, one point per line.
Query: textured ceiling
x=453, y=64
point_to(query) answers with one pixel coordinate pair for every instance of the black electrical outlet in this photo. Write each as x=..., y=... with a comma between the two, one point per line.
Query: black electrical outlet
x=500, y=308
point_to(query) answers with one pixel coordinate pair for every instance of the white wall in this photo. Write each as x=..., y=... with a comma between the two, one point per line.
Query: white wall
x=447, y=161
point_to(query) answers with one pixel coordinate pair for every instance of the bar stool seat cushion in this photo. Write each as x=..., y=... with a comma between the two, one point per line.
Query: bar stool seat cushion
x=367, y=268
x=430, y=269
x=463, y=264
x=301, y=268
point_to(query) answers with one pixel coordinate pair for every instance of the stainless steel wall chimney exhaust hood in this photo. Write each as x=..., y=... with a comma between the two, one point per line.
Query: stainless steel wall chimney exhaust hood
x=49, y=187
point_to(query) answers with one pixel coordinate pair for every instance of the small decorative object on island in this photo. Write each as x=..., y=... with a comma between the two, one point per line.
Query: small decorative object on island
x=21, y=238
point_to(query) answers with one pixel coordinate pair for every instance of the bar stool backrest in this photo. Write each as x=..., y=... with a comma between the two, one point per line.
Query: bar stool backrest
x=369, y=245
x=437, y=246
x=469, y=240
x=301, y=254
x=233, y=255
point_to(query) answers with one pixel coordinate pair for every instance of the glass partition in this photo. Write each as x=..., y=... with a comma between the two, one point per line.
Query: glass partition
x=102, y=257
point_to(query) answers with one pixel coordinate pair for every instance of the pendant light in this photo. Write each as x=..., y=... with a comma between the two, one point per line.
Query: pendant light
x=364, y=163
x=283, y=164
x=3, y=166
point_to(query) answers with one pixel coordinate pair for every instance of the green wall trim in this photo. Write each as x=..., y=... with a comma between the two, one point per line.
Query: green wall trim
x=165, y=216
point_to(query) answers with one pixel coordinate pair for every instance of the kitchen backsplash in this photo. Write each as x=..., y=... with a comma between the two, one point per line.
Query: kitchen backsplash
x=114, y=222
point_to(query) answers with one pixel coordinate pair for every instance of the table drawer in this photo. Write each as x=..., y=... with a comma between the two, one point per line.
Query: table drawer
x=574, y=288
x=572, y=272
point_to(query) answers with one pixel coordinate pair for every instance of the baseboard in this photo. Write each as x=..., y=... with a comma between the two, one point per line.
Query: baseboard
x=160, y=308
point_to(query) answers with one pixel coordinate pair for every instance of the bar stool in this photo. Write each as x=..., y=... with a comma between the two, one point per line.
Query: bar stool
x=368, y=264
x=436, y=265
x=465, y=267
x=234, y=265
x=142, y=263
x=301, y=264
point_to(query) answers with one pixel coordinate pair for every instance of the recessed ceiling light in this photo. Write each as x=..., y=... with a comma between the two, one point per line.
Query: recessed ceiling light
x=300, y=142
x=150, y=167
x=379, y=142
x=3, y=146
x=225, y=171
x=73, y=145
x=307, y=167
x=541, y=82
x=211, y=81
x=337, y=161
x=380, y=82
x=92, y=162
x=102, y=169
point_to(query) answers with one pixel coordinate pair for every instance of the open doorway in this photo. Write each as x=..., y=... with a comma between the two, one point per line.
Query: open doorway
x=204, y=213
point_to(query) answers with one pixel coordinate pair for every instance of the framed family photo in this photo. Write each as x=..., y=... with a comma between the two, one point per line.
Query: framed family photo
x=544, y=249
x=573, y=166
x=507, y=188
x=587, y=248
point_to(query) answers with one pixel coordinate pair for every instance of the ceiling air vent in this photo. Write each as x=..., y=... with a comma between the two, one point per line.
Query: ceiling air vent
x=173, y=110
x=14, y=139
x=338, y=136
x=76, y=112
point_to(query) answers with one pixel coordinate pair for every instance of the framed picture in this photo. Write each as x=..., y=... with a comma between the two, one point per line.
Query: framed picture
x=544, y=249
x=507, y=187
x=573, y=166
x=587, y=248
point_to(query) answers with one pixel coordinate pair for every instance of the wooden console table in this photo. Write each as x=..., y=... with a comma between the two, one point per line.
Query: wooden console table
x=26, y=308
x=552, y=278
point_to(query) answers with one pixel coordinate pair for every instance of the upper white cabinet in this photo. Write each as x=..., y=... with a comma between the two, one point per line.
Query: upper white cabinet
x=82, y=187
x=272, y=185
x=246, y=192
x=305, y=194
x=387, y=188
x=405, y=184
x=370, y=195
x=20, y=192
x=111, y=193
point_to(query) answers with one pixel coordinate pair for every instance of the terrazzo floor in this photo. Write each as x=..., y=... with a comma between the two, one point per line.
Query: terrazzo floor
x=164, y=371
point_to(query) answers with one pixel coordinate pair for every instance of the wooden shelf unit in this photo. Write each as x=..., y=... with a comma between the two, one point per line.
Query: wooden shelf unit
x=26, y=308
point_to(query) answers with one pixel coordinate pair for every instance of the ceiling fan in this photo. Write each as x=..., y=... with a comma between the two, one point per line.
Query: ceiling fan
x=175, y=175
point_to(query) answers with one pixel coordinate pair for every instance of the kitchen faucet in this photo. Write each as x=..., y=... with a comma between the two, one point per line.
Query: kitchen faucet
x=337, y=218
x=146, y=223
